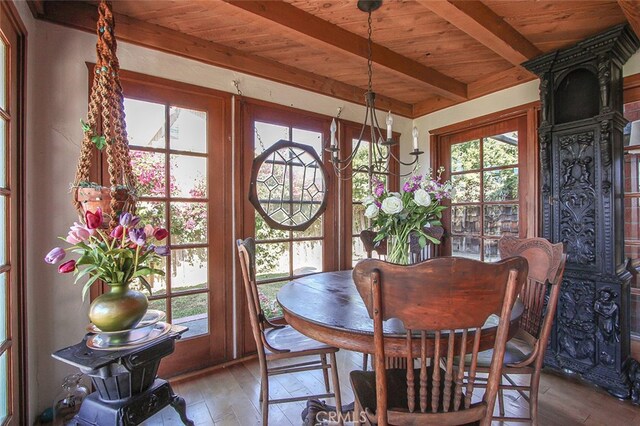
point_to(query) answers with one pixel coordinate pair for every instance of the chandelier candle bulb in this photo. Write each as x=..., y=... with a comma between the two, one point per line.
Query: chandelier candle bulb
x=333, y=129
x=389, y=125
x=415, y=138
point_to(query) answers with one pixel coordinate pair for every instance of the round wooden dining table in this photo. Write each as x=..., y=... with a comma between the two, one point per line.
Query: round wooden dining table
x=328, y=308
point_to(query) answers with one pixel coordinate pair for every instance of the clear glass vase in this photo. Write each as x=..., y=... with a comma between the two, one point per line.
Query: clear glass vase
x=67, y=402
x=398, y=250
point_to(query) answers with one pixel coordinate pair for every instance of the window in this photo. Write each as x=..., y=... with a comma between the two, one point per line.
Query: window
x=488, y=167
x=181, y=157
x=285, y=255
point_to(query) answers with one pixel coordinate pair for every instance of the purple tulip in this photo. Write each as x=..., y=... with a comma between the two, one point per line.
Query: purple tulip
x=162, y=250
x=125, y=219
x=55, y=256
x=137, y=236
x=134, y=221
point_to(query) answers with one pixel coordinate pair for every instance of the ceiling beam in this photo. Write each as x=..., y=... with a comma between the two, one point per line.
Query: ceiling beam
x=298, y=22
x=484, y=25
x=83, y=16
x=631, y=9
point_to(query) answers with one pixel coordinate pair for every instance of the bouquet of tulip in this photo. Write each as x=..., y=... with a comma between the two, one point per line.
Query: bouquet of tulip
x=397, y=215
x=117, y=258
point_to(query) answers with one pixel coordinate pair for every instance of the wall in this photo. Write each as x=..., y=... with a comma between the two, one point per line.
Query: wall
x=57, y=100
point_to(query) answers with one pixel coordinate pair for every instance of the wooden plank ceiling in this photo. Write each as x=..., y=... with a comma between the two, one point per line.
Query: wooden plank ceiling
x=428, y=54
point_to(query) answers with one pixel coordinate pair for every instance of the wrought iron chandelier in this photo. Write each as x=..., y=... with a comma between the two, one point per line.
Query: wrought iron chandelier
x=371, y=131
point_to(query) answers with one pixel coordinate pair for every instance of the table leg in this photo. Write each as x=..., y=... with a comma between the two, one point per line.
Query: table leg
x=180, y=406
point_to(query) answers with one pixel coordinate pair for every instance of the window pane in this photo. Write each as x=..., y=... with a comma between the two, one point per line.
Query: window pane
x=465, y=247
x=467, y=187
x=191, y=311
x=465, y=156
x=268, y=134
x=501, y=219
x=264, y=231
x=188, y=176
x=307, y=137
x=3, y=79
x=500, y=150
x=188, y=223
x=315, y=230
x=307, y=257
x=4, y=382
x=145, y=123
x=360, y=186
x=501, y=185
x=188, y=131
x=272, y=260
x=159, y=304
x=3, y=308
x=267, y=294
x=465, y=220
x=158, y=283
x=152, y=213
x=3, y=152
x=3, y=230
x=491, y=253
x=359, y=221
x=632, y=227
x=189, y=269
x=361, y=159
x=149, y=169
x=357, y=250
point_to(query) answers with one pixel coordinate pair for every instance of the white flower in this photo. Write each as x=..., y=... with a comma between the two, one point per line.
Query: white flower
x=368, y=200
x=371, y=211
x=422, y=198
x=392, y=205
x=395, y=194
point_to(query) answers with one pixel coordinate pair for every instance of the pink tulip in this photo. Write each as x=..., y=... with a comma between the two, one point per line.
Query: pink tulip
x=72, y=238
x=117, y=232
x=148, y=230
x=79, y=233
x=94, y=220
x=68, y=266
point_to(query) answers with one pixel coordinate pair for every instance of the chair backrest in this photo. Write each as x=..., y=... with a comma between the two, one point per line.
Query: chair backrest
x=546, y=267
x=380, y=247
x=417, y=253
x=433, y=299
x=259, y=323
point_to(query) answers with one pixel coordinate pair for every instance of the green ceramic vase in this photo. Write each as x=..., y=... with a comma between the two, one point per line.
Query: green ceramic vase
x=119, y=309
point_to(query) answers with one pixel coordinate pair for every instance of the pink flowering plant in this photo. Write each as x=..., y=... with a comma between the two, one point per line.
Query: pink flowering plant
x=398, y=215
x=128, y=252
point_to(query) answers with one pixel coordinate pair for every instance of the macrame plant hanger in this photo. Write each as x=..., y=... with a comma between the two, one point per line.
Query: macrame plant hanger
x=106, y=128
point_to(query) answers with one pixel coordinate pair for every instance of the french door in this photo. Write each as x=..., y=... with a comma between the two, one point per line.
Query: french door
x=12, y=370
x=492, y=170
x=180, y=153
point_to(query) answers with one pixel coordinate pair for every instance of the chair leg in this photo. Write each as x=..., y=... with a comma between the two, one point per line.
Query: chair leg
x=264, y=396
x=357, y=411
x=336, y=384
x=365, y=361
x=533, y=397
x=501, y=401
x=325, y=373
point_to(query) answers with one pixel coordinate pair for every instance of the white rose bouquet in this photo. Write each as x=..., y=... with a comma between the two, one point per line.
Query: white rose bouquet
x=397, y=215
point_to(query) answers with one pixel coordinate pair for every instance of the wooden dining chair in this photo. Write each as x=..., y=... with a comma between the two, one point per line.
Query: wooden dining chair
x=282, y=342
x=433, y=299
x=419, y=254
x=380, y=247
x=524, y=354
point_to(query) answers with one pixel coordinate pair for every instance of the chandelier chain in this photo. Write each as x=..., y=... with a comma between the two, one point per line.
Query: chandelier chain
x=369, y=54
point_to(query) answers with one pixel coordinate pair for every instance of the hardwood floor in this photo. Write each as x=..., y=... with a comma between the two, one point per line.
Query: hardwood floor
x=229, y=396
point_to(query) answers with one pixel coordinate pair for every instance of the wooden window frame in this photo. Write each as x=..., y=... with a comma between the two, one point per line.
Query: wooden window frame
x=528, y=114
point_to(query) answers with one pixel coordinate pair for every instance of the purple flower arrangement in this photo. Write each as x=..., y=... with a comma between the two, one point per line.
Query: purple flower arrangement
x=128, y=252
